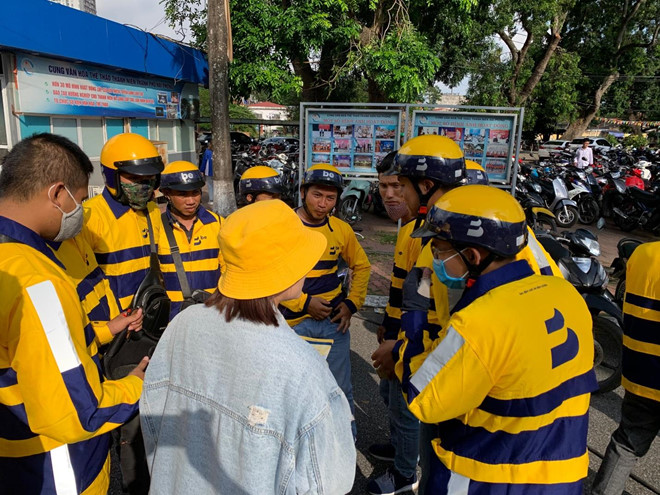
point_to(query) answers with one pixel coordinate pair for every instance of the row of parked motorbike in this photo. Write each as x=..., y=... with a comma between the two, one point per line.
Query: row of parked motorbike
x=615, y=186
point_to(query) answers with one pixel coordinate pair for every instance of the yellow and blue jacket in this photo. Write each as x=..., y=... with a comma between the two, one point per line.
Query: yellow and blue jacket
x=56, y=409
x=509, y=384
x=641, y=323
x=93, y=288
x=119, y=237
x=323, y=281
x=406, y=252
x=200, y=254
x=537, y=257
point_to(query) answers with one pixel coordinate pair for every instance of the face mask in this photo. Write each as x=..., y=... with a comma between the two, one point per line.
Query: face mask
x=72, y=222
x=396, y=212
x=445, y=278
x=138, y=194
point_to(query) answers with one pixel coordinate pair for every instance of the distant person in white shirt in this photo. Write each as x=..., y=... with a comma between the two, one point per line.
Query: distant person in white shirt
x=585, y=156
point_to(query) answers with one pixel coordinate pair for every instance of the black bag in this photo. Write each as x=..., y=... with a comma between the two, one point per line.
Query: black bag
x=198, y=296
x=128, y=348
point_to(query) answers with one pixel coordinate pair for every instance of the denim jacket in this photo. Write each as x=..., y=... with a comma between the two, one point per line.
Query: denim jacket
x=243, y=408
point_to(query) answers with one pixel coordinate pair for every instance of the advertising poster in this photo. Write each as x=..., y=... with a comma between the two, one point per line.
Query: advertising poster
x=486, y=138
x=61, y=88
x=351, y=140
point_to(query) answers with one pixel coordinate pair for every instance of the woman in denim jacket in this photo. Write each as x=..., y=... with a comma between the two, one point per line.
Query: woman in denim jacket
x=233, y=400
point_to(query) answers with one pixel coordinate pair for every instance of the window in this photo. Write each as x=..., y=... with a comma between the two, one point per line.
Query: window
x=166, y=133
x=140, y=126
x=153, y=130
x=91, y=131
x=114, y=127
x=65, y=127
x=187, y=140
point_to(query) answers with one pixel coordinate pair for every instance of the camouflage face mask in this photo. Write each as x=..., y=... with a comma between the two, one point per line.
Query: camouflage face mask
x=138, y=194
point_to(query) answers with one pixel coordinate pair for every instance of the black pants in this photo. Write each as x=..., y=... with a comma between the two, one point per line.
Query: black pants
x=132, y=457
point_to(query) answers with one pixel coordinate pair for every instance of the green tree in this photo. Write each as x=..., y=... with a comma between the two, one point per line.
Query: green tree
x=615, y=40
x=315, y=47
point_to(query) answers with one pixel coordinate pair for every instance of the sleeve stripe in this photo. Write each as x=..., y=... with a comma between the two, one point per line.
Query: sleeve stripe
x=642, y=302
x=51, y=315
x=63, y=474
x=539, y=255
x=438, y=359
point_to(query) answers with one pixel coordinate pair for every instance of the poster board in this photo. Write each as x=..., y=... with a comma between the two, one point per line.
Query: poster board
x=486, y=138
x=352, y=140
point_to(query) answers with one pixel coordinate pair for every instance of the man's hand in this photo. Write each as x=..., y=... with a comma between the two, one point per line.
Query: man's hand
x=319, y=308
x=131, y=321
x=140, y=368
x=416, y=290
x=343, y=316
x=380, y=334
x=383, y=360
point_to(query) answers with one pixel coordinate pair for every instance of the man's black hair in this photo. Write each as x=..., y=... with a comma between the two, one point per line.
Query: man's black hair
x=41, y=160
x=386, y=164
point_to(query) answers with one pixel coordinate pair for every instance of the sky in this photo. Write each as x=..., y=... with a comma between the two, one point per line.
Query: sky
x=148, y=15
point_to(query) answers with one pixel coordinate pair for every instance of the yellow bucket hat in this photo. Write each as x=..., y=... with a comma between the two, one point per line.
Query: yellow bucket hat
x=267, y=249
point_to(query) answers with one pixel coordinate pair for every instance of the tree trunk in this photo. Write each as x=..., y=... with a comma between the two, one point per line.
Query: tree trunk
x=578, y=127
x=224, y=201
x=303, y=70
x=376, y=95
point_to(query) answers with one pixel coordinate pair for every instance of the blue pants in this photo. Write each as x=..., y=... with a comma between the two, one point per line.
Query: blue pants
x=339, y=358
x=404, y=430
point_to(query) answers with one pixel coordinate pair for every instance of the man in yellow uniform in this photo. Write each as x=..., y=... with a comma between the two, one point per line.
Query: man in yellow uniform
x=640, y=410
x=194, y=231
x=116, y=224
x=56, y=409
x=509, y=382
x=260, y=183
x=323, y=310
x=119, y=225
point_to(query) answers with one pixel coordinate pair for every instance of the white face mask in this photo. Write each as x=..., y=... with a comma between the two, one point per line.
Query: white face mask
x=72, y=222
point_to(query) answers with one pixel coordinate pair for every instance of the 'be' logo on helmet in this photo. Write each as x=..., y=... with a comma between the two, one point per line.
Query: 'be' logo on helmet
x=422, y=165
x=476, y=232
x=328, y=174
x=187, y=176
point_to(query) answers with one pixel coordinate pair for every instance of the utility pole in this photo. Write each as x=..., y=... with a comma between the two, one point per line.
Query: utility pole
x=219, y=55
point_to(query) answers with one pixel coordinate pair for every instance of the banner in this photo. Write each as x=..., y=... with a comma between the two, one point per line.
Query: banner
x=55, y=87
x=352, y=140
x=634, y=123
x=486, y=138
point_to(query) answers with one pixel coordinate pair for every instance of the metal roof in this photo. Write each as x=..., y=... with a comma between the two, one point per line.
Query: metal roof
x=40, y=27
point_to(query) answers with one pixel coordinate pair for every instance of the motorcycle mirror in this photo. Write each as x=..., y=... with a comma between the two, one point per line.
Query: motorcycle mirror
x=601, y=223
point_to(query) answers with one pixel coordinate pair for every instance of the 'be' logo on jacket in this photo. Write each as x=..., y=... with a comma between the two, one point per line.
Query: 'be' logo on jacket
x=566, y=351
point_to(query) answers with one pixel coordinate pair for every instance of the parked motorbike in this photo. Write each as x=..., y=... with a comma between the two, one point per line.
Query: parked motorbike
x=638, y=209
x=538, y=217
x=575, y=254
x=580, y=191
x=555, y=196
x=352, y=200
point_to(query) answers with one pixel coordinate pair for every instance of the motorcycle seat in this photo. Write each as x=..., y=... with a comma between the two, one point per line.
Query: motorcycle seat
x=645, y=197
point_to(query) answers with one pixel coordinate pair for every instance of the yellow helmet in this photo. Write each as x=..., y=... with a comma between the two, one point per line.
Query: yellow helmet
x=130, y=153
x=432, y=157
x=477, y=215
x=260, y=179
x=323, y=174
x=181, y=176
x=475, y=173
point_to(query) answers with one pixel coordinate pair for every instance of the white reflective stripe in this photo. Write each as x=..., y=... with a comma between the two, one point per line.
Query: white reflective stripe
x=458, y=484
x=65, y=478
x=49, y=309
x=539, y=256
x=437, y=360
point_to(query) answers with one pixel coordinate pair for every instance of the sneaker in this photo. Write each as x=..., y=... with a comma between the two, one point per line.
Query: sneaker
x=382, y=451
x=391, y=483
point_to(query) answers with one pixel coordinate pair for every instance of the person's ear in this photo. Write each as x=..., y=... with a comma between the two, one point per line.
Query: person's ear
x=425, y=185
x=249, y=198
x=473, y=255
x=57, y=193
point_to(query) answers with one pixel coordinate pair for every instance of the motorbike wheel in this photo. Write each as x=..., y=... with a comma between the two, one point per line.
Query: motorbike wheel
x=608, y=343
x=349, y=210
x=566, y=217
x=366, y=204
x=620, y=291
x=544, y=223
x=588, y=210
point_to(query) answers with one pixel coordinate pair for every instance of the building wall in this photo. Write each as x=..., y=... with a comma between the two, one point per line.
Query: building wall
x=270, y=113
x=84, y=5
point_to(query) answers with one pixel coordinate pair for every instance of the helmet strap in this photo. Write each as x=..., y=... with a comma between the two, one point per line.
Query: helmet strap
x=423, y=201
x=474, y=271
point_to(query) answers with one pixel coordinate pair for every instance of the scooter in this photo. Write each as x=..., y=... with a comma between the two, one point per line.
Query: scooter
x=352, y=200
x=555, y=194
x=575, y=254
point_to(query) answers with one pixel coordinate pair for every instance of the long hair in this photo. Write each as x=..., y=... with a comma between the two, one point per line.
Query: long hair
x=260, y=310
